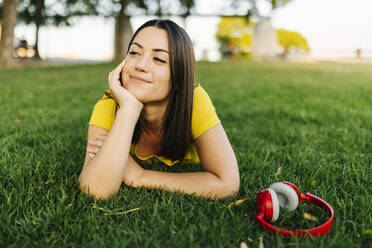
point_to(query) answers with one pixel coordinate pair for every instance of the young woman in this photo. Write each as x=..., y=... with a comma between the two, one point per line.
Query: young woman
x=154, y=111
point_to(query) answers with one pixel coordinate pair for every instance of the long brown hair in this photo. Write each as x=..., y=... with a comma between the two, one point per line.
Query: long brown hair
x=176, y=128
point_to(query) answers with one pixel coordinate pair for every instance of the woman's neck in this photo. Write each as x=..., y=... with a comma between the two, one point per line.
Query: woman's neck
x=153, y=118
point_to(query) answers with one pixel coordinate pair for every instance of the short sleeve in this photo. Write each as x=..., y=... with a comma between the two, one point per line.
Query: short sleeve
x=104, y=112
x=204, y=114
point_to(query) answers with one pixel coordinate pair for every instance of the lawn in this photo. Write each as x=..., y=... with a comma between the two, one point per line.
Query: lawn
x=310, y=124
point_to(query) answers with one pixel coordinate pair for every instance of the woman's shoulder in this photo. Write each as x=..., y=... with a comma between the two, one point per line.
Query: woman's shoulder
x=198, y=88
x=202, y=101
x=107, y=95
x=106, y=100
x=200, y=94
x=204, y=114
x=104, y=111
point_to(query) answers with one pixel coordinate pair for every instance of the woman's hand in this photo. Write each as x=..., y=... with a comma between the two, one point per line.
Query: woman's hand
x=123, y=97
x=95, y=145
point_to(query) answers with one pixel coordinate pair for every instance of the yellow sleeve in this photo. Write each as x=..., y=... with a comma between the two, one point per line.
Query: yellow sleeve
x=104, y=112
x=204, y=114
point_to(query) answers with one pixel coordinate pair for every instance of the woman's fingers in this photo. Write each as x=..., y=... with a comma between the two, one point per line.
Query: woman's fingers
x=95, y=145
x=91, y=149
x=99, y=141
x=117, y=70
x=119, y=67
x=101, y=136
x=95, y=142
x=115, y=84
x=114, y=76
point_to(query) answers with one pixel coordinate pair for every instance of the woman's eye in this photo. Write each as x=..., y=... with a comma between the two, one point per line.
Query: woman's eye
x=159, y=60
x=133, y=53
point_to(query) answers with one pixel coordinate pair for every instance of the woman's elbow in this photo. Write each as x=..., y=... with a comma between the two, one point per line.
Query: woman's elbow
x=94, y=190
x=236, y=185
x=231, y=181
x=230, y=188
x=233, y=187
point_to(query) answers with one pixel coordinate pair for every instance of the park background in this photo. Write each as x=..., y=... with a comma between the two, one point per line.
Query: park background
x=304, y=117
x=334, y=30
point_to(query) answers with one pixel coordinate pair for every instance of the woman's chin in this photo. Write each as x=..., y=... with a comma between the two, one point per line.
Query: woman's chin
x=138, y=94
x=146, y=97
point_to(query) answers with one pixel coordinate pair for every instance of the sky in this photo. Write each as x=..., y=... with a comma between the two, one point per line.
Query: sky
x=333, y=28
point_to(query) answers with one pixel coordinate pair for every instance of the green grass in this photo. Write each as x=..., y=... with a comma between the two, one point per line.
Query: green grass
x=314, y=121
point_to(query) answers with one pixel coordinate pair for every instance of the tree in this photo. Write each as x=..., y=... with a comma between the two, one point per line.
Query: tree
x=235, y=35
x=122, y=10
x=118, y=10
x=7, y=33
x=291, y=41
x=41, y=12
x=235, y=32
x=123, y=31
x=279, y=3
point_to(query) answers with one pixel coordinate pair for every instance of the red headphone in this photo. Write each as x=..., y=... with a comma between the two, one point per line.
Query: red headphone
x=287, y=195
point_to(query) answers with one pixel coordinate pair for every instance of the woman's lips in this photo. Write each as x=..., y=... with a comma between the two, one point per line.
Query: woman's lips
x=139, y=79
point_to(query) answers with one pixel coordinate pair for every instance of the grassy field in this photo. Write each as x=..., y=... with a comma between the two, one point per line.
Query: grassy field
x=310, y=124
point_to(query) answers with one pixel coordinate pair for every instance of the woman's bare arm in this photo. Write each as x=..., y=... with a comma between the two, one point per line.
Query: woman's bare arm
x=102, y=176
x=220, y=178
x=96, y=137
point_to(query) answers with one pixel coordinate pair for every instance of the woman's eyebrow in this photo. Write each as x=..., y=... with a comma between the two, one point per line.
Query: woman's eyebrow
x=135, y=43
x=160, y=50
x=154, y=49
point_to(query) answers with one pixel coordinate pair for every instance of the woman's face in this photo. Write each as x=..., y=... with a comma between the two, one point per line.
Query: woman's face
x=146, y=73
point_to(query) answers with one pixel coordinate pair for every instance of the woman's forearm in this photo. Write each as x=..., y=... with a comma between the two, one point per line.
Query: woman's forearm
x=103, y=175
x=203, y=183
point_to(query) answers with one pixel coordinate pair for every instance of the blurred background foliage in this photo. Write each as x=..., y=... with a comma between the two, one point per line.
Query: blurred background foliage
x=235, y=36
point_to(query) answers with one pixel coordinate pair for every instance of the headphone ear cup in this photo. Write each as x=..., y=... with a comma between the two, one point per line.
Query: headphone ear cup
x=286, y=195
x=268, y=205
x=275, y=203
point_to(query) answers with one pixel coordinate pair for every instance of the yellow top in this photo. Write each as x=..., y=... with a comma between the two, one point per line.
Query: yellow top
x=203, y=118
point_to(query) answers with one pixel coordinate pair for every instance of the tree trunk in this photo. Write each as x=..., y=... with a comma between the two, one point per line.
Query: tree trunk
x=36, y=47
x=7, y=33
x=123, y=33
x=184, y=21
x=39, y=13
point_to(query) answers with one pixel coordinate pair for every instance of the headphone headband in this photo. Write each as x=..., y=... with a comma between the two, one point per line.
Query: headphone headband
x=316, y=231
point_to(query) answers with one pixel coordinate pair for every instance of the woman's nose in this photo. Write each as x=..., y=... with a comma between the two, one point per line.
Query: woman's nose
x=142, y=64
